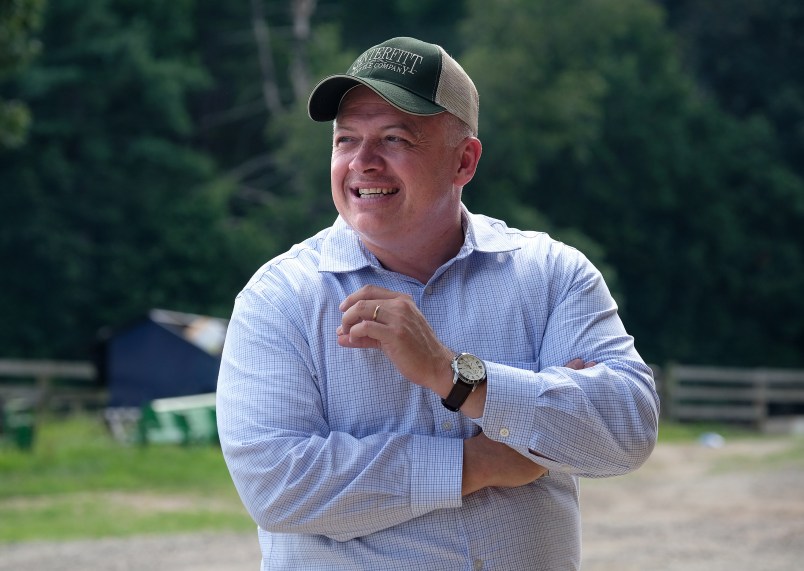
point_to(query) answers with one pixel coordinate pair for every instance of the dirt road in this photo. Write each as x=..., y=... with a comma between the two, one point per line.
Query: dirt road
x=690, y=508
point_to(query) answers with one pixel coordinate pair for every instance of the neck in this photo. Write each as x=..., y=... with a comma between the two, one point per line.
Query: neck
x=419, y=258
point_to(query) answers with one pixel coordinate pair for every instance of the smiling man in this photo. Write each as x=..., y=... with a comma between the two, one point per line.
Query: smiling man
x=397, y=180
x=420, y=387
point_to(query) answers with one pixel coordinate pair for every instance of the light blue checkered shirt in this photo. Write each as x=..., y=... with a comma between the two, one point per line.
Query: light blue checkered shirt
x=344, y=464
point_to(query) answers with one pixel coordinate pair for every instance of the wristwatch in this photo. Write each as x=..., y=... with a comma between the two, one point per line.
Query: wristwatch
x=468, y=373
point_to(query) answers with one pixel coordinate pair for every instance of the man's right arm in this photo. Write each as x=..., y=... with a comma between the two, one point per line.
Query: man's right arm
x=293, y=472
x=487, y=463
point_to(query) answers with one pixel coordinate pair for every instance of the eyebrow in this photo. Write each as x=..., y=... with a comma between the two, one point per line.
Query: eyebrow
x=336, y=127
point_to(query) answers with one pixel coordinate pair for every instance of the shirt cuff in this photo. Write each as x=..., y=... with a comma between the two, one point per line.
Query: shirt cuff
x=437, y=472
x=511, y=410
x=511, y=397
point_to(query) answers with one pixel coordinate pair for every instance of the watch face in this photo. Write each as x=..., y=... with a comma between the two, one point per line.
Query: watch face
x=470, y=368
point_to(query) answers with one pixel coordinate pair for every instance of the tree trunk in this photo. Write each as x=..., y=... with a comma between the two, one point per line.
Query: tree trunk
x=299, y=70
x=262, y=37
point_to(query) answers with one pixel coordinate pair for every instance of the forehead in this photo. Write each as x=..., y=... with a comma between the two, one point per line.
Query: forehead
x=362, y=104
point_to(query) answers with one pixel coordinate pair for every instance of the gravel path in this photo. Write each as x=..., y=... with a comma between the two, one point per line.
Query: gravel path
x=195, y=552
x=736, y=508
x=740, y=507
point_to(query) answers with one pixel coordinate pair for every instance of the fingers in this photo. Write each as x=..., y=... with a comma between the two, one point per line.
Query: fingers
x=365, y=310
x=366, y=304
x=578, y=364
x=371, y=304
x=361, y=327
x=381, y=319
x=367, y=293
x=356, y=339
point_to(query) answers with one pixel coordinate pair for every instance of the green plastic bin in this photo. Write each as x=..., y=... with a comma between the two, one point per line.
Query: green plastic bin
x=179, y=420
x=18, y=426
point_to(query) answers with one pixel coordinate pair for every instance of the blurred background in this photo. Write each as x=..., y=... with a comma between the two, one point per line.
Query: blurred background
x=154, y=154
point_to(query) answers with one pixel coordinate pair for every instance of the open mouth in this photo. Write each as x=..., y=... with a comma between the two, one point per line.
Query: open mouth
x=375, y=192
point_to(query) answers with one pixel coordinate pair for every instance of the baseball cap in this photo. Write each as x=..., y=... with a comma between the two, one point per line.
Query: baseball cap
x=413, y=76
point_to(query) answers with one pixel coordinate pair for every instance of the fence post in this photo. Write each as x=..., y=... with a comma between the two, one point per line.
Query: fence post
x=761, y=383
x=42, y=392
x=668, y=386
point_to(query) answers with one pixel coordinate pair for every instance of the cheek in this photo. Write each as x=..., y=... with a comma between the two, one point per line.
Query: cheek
x=338, y=165
x=336, y=173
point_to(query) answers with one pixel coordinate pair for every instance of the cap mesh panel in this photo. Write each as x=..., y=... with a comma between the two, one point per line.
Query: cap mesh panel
x=456, y=92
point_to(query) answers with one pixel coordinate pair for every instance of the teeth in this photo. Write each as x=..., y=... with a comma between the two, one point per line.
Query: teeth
x=376, y=191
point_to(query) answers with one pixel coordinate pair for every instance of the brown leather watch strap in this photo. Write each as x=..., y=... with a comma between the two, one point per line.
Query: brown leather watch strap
x=457, y=396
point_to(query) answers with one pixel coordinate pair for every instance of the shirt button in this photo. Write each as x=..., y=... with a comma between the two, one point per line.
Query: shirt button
x=504, y=432
x=428, y=290
x=477, y=565
x=446, y=425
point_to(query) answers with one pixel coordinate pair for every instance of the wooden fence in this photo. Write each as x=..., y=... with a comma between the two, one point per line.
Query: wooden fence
x=751, y=396
x=51, y=384
x=689, y=393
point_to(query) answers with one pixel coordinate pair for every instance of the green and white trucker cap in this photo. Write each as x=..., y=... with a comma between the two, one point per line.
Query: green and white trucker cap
x=412, y=75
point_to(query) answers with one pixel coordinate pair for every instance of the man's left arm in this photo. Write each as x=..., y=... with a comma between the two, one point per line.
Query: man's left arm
x=595, y=421
x=591, y=421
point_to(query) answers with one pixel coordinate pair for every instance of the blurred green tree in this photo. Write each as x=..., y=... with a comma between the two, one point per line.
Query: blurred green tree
x=170, y=154
x=608, y=135
x=264, y=58
x=748, y=56
x=108, y=210
x=19, y=21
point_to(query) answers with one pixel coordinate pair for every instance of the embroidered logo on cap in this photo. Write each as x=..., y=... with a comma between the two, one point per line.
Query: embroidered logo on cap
x=393, y=59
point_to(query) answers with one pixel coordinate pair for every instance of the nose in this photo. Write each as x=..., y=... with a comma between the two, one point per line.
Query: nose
x=366, y=158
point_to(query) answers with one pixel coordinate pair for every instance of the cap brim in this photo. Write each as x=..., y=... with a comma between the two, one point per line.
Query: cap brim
x=326, y=97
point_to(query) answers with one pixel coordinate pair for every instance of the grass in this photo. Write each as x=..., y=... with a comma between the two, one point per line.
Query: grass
x=79, y=483
x=670, y=432
x=777, y=452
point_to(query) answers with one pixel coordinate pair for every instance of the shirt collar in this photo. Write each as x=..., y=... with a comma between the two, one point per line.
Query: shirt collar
x=484, y=234
x=342, y=250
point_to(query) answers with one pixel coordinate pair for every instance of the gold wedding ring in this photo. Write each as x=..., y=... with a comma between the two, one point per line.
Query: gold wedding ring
x=376, y=312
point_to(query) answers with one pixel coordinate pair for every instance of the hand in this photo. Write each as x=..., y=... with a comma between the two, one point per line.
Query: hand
x=400, y=331
x=488, y=463
x=578, y=364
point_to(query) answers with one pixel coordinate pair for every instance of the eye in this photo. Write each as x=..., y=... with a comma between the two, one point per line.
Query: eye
x=395, y=139
x=342, y=140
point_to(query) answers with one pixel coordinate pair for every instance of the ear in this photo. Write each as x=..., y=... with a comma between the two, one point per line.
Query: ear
x=469, y=152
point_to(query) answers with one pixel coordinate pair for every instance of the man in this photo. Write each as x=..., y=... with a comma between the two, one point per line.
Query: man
x=419, y=387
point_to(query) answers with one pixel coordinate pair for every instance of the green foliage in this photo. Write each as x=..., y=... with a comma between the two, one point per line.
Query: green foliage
x=749, y=56
x=14, y=121
x=363, y=24
x=76, y=472
x=612, y=139
x=303, y=204
x=19, y=20
x=149, y=171
x=114, y=211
